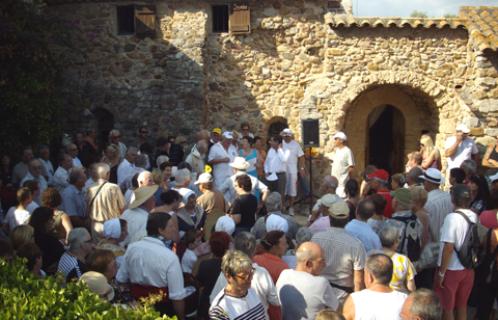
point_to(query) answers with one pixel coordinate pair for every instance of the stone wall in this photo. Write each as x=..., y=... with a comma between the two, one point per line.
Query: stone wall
x=291, y=66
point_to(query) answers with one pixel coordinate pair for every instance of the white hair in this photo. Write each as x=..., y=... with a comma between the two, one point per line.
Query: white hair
x=182, y=176
x=273, y=202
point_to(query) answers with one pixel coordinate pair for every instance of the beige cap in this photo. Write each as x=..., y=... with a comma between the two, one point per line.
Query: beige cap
x=339, y=210
x=97, y=283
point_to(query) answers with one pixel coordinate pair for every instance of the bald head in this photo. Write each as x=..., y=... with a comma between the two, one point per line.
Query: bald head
x=329, y=184
x=310, y=258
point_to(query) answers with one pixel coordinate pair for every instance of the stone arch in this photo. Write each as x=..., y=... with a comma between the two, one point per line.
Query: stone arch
x=443, y=103
x=275, y=125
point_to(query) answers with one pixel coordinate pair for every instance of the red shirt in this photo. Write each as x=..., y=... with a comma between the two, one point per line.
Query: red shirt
x=388, y=210
x=272, y=263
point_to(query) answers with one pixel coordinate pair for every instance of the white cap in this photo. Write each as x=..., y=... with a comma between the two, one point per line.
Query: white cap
x=276, y=222
x=225, y=224
x=205, y=177
x=240, y=163
x=286, y=132
x=340, y=135
x=227, y=135
x=463, y=128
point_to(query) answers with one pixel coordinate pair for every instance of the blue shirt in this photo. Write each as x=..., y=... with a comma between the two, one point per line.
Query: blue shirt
x=364, y=232
x=73, y=201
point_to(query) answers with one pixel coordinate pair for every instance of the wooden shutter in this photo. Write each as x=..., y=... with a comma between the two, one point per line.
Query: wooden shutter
x=145, y=21
x=334, y=4
x=240, y=19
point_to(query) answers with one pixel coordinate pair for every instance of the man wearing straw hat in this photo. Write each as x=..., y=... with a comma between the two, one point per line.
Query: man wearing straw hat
x=239, y=166
x=138, y=212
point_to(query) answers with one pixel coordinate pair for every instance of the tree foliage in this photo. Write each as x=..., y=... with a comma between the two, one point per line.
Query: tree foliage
x=418, y=14
x=30, y=106
x=23, y=296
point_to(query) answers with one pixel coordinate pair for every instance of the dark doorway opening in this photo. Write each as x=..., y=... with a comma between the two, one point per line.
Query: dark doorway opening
x=276, y=126
x=105, y=123
x=386, y=139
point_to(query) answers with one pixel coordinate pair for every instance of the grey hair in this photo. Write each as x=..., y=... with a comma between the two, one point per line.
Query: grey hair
x=102, y=169
x=469, y=166
x=114, y=132
x=273, y=202
x=380, y=266
x=388, y=235
x=234, y=262
x=425, y=305
x=75, y=174
x=245, y=242
x=76, y=238
x=142, y=175
x=182, y=176
x=330, y=182
x=303, y=234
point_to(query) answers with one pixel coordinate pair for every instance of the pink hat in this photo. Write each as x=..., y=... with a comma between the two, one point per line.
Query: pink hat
x=489, y=219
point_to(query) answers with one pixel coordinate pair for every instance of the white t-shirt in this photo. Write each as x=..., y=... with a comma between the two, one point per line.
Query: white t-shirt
x=221, y=171
x=16, y=217
x=303, y=295
x=464, y=151
x=295, y=152
x=342, y=159
x=453, y=231
x=373, y=305
x=188, y=260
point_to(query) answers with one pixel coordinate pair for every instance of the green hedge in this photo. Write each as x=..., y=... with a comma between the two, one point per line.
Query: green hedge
x=23, y=296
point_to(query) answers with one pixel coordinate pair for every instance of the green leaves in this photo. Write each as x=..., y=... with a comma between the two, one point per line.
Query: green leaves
x=23, y=296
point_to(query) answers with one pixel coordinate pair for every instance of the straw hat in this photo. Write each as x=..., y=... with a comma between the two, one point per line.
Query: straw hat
x=240, y=163
x=97, y=283
x=142, y=194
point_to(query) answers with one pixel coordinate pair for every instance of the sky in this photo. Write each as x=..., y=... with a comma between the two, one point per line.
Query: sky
x=403, y=8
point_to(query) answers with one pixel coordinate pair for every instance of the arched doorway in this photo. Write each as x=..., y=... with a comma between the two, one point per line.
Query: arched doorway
x=105, y=123
x=276, y=125
x=386, y=131
x=384, y=122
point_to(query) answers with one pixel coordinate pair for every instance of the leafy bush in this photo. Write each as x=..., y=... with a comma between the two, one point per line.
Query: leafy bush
x=23, y=296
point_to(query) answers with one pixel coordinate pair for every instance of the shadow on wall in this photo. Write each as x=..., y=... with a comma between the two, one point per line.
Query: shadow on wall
x=137, y=80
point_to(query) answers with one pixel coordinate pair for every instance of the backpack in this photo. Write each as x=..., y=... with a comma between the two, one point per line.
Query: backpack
x=411, y=244
x=469, y=251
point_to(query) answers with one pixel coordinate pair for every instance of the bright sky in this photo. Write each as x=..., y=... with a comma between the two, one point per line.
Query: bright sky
x=403, y=8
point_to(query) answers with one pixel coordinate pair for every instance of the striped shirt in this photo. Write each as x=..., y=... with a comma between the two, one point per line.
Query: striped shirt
x=225, y=307
x=343, y=254
x=68, y=264
x=438, y=206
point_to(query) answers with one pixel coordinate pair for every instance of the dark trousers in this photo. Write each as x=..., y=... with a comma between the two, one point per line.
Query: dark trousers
x=279, y=184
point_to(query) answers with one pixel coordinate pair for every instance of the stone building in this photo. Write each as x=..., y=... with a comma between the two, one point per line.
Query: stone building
x=178, y=65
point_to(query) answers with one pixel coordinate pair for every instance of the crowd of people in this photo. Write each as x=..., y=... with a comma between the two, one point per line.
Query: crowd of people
x=212, y=233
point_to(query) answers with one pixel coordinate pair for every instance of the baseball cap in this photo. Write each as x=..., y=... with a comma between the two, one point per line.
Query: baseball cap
x=379, y=174
x=340, y=135
x=216, y=130
x=339, y=210
x=463, y=128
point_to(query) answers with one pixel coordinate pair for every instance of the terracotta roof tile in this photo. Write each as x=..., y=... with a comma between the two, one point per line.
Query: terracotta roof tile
x=482, y=24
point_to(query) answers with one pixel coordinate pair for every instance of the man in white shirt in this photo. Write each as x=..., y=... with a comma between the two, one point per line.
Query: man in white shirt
x=295, y=160
x=114, y=138
x=459, y=148
x=61, y=175
x=73, y=151
x=35, y=173
x=21, y=169
x=152, y=268
x=48, y=168
x=342, y=162
x=127, y=168
x=138, y=212
x=276, y=165
x=438, y=203
x=378, y=300
x=219, y=158
x=360, y=229
x=303, y=292
x=453, y=281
